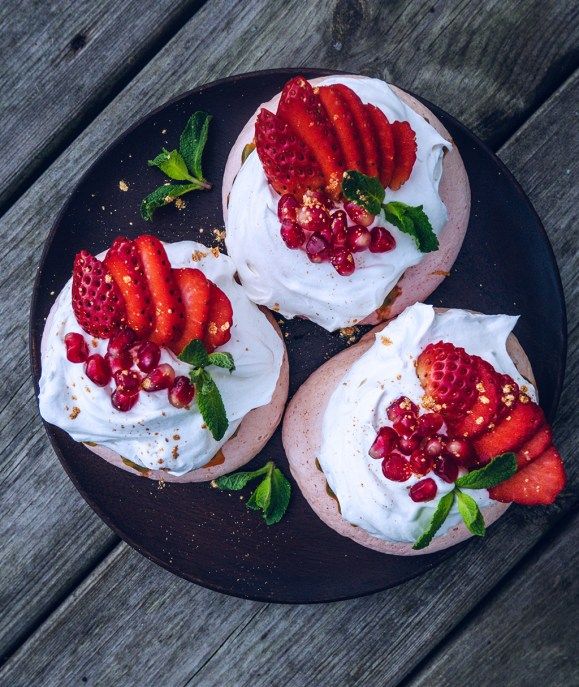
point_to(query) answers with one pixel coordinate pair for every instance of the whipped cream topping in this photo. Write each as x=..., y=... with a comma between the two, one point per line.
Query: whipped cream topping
x=285, y=280
x=154, y=434
x=357, y=409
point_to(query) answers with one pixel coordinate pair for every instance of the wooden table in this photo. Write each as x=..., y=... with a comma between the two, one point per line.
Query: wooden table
x=77, y=606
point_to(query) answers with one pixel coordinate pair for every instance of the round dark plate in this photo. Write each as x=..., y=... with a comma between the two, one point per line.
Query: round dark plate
x=209, y=537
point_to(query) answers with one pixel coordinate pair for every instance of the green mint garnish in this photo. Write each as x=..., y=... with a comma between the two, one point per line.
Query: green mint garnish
x=498, y=470
x=207, y=394
x=180, y=165
x=271, y=496
x=369, y=193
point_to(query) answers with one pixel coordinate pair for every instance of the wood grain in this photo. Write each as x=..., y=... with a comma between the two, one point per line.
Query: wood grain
x=60, y=63
x=367, y=641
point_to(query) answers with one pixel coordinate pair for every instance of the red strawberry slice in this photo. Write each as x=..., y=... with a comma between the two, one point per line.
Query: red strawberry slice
x=124, y=263
x=288, y=163
x=537, y=484
x=195, y=292
x=449, y=375
x=510, y=433
x=385, y=143
x=301, y=107
x=404, y=153
x=536, y=445
x=364, y=128
x=342, y=119
x=483, y=411
x=169, y=312
x=97, y=302
x=219, y=319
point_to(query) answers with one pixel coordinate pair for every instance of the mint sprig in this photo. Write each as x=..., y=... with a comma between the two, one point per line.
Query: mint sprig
x=271, y=496
x=498, y=470
x=180, y=165
x=369, y=193
x=207, y=394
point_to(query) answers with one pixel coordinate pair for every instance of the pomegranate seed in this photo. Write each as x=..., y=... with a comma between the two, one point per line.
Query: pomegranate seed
x=286, y=208
x=160, y=378
x=420, y=463
x=147, y=356
x=98, y=370
x=425, y=490
x=121, y=341
x=446, y=468
x=381, y=240
x=405, y=425
x=76, y=348
x=123, y=361
x=129, y=380
x=181, y=392
x=339, y=228
x=429, y=423
x=433, y=446
x=385, y=442
x=313, y=218
x=343, y=261
x=460, y=450
x=317, y=248
x=358, y=238
x=358, y=214
x=401, y=406
x=320, y=198
x=124, y=400
x=292, y=234
x=396, y=468
x=408, y=444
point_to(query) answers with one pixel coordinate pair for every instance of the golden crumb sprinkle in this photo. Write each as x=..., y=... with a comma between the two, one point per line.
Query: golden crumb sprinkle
x=219, y=234
x=440, y=273
x=176, y=437
x=175, y=452
x=169, y=199
x=108, y=278
x=275, y=307
x=74, y=413
x=180, y=203
x=523, y=398
x=225, y=326
x=212, y=328
x=198, y=255
x=215, y=251
x=162, y=484
x=480, y=387
x=484, y=399
x=123, y=185
x=479, y=420
x=386, y=341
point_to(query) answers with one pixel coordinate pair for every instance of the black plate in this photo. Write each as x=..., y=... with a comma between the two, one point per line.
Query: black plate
x=506, y=266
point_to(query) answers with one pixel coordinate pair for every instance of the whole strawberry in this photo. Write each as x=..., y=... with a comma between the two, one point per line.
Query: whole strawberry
x=97, y=302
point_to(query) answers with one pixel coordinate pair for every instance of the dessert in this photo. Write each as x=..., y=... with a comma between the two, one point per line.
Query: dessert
x=153, y=357
x=307, y=244
x=411, y=421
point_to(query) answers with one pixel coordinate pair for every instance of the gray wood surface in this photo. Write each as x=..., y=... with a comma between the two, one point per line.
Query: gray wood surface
x=128, y=617
x=60, y=62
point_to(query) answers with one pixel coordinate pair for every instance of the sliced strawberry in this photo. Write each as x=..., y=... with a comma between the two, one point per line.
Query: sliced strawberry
x=169, y=312
x=219, y=320
x=289, y=164
x=97, y=302
x=195, y=292
x=364, y=128
x=384, y=142
x=124, y=263
x=342, y=119
x=510, y=433
x=301, y=107
x=404, y=153
x=534, y=446
x=484, y=409
x=536, y=484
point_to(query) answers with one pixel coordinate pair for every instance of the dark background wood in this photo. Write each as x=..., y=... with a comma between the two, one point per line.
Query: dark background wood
x=74, y=602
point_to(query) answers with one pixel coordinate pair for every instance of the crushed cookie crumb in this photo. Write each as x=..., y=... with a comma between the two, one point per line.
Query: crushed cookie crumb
x=212, y=328
x=219, y=234
x=215, y=251
x=198, y=255
x=123, y=185
x=74, y=413
x=386, y=341
x=175, y=452
x=440, y=273
x=275, y=307
x=176, y=437
x=180, y=204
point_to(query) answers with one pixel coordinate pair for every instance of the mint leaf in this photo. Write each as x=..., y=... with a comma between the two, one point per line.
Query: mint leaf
x=498, y=470
x=163, y=196
x=364, y=190
x=172, y=164
x=413, y=221
x=438, y=517
x=238, y=480
x=193, y=140
x=261, y=497
x=195, y=354
x=221, y=359
x=470, y=512
x=210, y=403
x=280, y=497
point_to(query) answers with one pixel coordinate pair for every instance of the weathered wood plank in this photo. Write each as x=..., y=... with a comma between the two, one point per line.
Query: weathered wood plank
x=527, y=635
x=376, y=640
x=60, y=63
